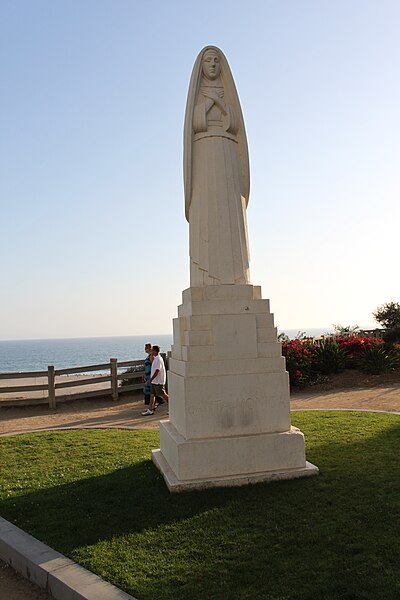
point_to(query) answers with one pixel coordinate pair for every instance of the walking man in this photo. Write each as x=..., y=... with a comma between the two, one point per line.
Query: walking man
x=156, y=381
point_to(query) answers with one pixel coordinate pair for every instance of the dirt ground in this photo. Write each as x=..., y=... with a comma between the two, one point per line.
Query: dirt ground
x=351, y=390
x=15, y=587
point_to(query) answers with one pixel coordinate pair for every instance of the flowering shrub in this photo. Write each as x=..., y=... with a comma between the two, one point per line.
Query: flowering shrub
x=305, y=361
x=356, y=345
x=355, y=348
x=299, y=356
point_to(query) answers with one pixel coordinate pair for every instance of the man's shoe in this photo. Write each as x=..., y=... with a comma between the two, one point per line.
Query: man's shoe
x=147, y=412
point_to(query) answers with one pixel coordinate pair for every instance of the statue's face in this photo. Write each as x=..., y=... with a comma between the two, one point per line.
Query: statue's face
x=211, y=64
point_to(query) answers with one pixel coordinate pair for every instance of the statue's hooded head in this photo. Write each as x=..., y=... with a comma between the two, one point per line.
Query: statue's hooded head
x=211, y=64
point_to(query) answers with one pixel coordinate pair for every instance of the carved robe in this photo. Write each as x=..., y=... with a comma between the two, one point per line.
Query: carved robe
x=216, y=208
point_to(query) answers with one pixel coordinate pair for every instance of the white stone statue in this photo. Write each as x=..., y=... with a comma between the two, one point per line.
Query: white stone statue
x=229, y=402
x=216, y=174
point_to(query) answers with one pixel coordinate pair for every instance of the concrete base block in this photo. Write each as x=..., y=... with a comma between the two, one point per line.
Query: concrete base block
x=178, y=485
x=213, y=457
x=221, y=405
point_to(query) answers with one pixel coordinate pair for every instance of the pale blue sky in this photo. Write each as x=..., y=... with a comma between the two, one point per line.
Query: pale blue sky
x=93, y=239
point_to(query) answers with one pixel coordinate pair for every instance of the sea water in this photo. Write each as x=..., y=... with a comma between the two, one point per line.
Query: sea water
x=36, y=355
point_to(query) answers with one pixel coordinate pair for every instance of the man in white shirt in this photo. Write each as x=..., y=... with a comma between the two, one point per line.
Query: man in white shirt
x=156, y=381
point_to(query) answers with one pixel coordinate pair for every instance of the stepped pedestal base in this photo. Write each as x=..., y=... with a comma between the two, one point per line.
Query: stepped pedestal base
x=178, y=485
x=229, y=395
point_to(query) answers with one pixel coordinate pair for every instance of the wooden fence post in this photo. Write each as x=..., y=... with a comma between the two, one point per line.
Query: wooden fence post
x=51, y=384
x=114, y=378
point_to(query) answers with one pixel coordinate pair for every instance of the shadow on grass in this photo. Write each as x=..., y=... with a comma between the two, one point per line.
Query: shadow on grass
x=329, y=537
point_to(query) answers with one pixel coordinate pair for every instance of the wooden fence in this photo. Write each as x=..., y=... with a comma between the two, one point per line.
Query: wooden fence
x=51, y=385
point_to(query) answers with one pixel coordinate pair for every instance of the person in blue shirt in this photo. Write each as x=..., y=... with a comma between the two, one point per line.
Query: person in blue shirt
x=157, y=382
x=147, y=372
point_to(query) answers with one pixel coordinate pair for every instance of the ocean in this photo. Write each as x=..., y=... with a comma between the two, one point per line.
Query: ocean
x=17, y=356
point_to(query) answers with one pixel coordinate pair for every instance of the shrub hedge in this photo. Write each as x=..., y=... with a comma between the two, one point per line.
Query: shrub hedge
x=308, y=363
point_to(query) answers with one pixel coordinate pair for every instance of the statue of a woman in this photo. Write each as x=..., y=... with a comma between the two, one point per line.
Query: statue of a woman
x=216, y=174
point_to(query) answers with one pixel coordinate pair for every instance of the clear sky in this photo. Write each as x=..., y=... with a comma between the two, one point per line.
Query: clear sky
x=93, y=239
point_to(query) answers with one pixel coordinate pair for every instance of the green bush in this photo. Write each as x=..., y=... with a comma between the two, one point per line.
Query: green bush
x=392, y=336
x=329, y=357
x=379, y=359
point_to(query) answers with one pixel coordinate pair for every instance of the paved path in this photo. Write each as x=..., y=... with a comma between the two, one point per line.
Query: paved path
x=103, y=412
x=126, y=412
x=382, y=398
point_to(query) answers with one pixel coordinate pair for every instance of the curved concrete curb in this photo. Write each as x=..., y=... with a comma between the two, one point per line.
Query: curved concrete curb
x=70, y=427
x=50, y=570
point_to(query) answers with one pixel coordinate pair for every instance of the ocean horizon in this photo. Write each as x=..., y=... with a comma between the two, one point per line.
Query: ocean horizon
x=18, y=356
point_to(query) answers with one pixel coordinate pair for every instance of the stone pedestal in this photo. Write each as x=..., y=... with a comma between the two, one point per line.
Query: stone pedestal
x=229, y=409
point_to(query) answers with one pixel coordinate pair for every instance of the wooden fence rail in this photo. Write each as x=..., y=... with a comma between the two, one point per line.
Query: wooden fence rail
x=52, y=385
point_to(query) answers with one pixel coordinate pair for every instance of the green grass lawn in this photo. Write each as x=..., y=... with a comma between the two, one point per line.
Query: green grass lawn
x=96, y=497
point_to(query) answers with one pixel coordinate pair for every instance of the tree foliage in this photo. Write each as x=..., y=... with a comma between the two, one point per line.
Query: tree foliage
x=388, y=315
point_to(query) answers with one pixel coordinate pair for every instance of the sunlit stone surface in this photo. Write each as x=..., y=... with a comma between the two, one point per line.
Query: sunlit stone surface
x=229, y=413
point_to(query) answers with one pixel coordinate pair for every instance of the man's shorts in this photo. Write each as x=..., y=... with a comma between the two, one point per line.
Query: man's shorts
x=157, y=389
